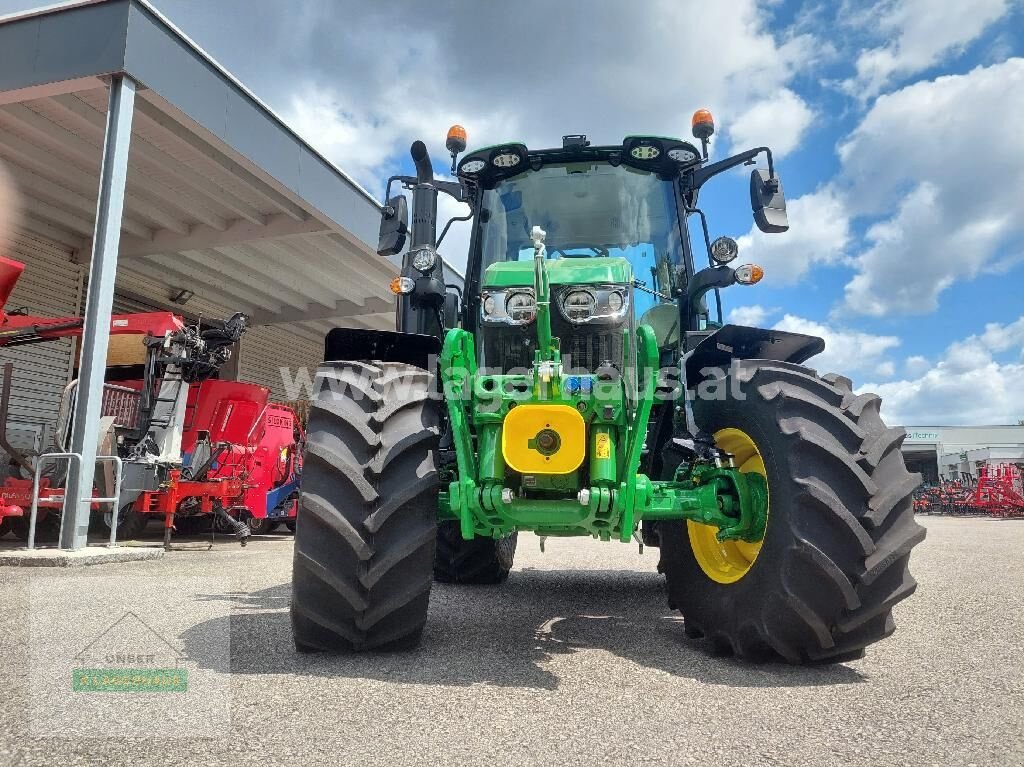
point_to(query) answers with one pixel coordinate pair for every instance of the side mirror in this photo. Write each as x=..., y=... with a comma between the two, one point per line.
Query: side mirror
x=452, y=310
x=768, y=202
x=394, y=226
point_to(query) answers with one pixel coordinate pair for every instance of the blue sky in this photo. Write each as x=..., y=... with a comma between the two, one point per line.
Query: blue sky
x=897, y=126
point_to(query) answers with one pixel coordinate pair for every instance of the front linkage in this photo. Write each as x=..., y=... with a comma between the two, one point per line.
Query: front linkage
x=542, y=425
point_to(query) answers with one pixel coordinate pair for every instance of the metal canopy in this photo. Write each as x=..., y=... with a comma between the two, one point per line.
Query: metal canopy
x=146, y=159
x=222, y=197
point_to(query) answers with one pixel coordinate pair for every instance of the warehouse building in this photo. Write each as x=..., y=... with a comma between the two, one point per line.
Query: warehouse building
x=151, y=179
x=225, y=208
x=957, y=452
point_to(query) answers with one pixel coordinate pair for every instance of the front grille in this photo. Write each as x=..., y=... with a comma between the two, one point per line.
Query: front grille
x=584, y=347
x=588, y=347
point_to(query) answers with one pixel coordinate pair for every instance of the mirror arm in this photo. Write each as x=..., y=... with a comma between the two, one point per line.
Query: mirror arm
x=700, y=175
x=453, y=189
x=447, y=226
x=704, y=226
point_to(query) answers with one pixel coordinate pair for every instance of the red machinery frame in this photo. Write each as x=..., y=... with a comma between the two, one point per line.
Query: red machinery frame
x=246, y=482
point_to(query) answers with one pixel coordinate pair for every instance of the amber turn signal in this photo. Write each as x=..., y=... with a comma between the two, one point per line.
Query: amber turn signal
x=402, y=285
x=749, y=274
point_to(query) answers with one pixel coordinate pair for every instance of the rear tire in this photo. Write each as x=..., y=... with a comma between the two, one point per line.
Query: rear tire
x=840, y=523
x=130, y=523
x=364, y=552
x=260, y=525
x=481, y=561
x=47, y=526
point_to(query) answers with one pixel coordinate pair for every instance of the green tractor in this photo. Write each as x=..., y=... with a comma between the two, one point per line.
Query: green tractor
x=578, y=384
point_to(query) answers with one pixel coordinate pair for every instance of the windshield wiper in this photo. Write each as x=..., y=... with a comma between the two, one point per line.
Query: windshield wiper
x=641, y=285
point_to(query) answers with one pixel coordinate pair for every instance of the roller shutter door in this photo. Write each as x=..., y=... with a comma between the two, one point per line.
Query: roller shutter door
x=50, y=286
x=268, y=349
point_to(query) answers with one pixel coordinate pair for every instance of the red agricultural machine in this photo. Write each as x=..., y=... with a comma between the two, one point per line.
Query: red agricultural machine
x=998, y=492
x=191, y=447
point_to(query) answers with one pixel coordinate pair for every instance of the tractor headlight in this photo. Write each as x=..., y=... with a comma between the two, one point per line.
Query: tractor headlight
x=599, y=304
x=423, y=259
x=508, y=307
x=579, y=305
x=521, y=307
x=724, y=250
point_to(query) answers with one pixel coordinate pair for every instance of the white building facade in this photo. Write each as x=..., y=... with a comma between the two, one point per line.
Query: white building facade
x=957, y=452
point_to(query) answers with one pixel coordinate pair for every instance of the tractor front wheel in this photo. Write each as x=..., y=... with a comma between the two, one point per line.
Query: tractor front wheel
x=364, y=552
x=821, y=585
x=481, y=561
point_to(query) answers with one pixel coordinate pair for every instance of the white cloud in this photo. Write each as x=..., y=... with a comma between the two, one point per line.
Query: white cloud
x=362, y=106
x=916, y=365
x=942, y=160
x=966, y=386
x=779, y=122
x=819, y=233
x=752, y=316
x=846, y=351
x=1001, y=338
x=920, y=34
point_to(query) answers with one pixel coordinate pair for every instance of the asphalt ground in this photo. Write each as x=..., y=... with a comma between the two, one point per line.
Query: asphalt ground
x=575, y=660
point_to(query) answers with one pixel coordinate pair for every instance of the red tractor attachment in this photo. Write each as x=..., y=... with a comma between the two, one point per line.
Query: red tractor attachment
x=190, y=445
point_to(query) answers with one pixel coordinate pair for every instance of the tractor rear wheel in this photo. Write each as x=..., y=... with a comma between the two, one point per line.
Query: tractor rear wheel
x=364, y=552
x=821, y=585
x=481, y=561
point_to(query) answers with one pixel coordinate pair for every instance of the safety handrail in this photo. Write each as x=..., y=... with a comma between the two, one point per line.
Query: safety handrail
x=69, y=457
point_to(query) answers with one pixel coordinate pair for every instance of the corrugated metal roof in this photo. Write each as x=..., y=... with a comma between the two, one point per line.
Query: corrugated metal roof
x=203, y=209
x=193, y=218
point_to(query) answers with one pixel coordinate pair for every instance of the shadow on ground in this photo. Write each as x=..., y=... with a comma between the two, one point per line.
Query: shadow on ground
x=507, y=635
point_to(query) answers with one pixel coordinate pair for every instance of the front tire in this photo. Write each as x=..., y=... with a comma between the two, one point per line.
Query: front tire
x=364, y=552
x=821, y=585
x=481, y=561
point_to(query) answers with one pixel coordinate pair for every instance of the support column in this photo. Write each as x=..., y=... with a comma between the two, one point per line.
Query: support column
x=98, y=302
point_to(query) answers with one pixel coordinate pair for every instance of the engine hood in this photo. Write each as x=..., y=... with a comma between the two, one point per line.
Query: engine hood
x=561, y=271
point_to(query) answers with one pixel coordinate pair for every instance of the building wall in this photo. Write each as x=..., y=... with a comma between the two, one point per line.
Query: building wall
x=51, y=285
x=275, y=355
x=955, y=452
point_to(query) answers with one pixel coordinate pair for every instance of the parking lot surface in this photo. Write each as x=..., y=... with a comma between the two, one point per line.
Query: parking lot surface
x=575, y=660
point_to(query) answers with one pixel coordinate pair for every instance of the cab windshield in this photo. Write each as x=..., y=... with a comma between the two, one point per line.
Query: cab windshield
x=588, y=210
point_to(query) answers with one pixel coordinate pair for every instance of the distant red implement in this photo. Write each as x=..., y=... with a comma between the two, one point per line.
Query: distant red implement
x=998, y=492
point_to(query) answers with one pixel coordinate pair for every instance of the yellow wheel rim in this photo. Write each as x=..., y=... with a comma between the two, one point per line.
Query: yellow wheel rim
x=728, y=561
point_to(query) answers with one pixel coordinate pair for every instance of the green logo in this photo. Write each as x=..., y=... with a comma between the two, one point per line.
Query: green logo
x=129, y=680
x=129, y=656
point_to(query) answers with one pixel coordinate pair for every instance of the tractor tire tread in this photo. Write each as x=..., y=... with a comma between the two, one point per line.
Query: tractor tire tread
x=827, y=578
x=362, y=567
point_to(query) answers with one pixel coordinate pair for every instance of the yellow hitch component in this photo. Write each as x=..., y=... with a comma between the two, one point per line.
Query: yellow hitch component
x=543, y=439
